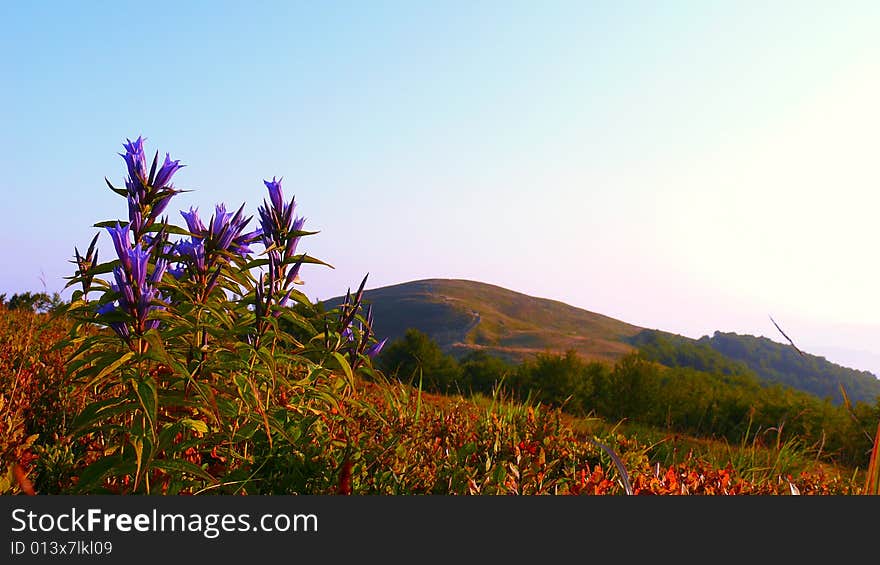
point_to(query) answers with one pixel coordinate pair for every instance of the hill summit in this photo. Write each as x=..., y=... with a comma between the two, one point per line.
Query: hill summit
x=463, y=316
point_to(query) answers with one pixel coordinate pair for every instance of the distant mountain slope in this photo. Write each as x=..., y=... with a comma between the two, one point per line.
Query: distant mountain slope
x=675, y=350
x=780, y=363
x=464, y=316
x=730, y=353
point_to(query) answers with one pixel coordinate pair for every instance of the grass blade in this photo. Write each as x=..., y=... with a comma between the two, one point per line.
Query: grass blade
x=872, y=478
x=621, y=468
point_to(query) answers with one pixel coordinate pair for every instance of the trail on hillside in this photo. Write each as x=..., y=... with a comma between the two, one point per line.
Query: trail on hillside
x=473, y=324
x=475, y=320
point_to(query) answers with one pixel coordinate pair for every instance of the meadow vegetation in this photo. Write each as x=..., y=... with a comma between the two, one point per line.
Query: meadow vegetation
x=722, y=403
x=190, y=363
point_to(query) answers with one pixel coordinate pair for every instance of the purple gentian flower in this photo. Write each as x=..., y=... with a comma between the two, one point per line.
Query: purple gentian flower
x=159, y=206
x=124, y=288
x=208, y=247
x=293, y=241
x=258, y=294
x=284, y=299
x=153, y=243
x=293, y=274
x=148, y=194
x=135, y=216
x=224, y=230
x=139, y=257
x=369, y=317
x=120, y=328
x=135, y=159
x=275, y=194
x=348, y=334
x=177, y=271
x=277, y=229
x=163, y=177
x=277, y=220
x=376, y=348
x=218, y=221
x=136, y=292
x=158, y=271
x=192, y=252
x=121, y=242
x=193, y=222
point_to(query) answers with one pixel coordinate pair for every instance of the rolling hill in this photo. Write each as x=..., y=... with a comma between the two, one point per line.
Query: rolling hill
x=464, y=316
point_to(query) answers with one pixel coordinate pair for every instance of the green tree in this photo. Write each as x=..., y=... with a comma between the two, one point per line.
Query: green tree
x=417, y=356
x=636, y=384
x=481, y=372
x=36, y=302
x=559, y=378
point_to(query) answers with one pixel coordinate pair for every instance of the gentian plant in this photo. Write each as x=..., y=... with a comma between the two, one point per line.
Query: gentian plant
x=202, y=365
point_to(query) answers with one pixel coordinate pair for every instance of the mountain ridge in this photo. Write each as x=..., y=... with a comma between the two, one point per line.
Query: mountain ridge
x=463, y=316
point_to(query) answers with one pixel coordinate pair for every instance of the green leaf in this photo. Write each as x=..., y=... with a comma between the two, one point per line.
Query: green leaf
x=107, y=369
x=110, y=223
x=299, y=321
x=343, y=364
x=266, y=357
x=95, y=472
x=84, y=363
x=166, y=436
x=149, y=399
x=246, y=432
x=292, y=260
x=302, y=233
x=119, y=191
x=157, y=352
x=101, y=410
x=195, y=425
x=175, y=398
x=182, y=466
x=86, y=349
x=104, y=268
x=138, y=444
x=244, y=389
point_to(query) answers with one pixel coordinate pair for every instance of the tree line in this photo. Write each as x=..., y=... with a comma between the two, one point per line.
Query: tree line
x=723, y=402
x=33, y=301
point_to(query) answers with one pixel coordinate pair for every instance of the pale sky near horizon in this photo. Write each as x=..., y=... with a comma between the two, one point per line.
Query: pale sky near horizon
x=689, y=166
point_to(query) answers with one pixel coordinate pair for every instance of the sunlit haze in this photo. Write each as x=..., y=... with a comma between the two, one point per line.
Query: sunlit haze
x=687, y=166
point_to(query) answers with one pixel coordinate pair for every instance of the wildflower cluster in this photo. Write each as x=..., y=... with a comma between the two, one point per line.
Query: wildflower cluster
x=202, y=255
x=201, y=353
x=133, y=293
x=148, y=194
x=280, y=232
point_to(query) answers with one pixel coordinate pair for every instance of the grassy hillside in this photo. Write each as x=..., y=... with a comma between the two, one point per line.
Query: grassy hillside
x=464, y=316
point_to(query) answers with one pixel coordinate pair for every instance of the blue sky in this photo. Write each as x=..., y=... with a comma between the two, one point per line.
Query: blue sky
x=690, y=166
